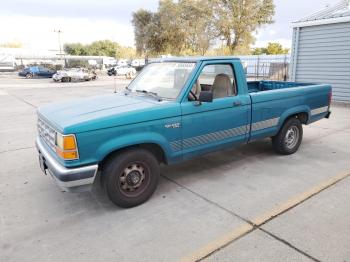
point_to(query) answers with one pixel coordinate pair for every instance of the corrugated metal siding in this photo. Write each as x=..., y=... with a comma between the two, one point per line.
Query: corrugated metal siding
x=323, y=56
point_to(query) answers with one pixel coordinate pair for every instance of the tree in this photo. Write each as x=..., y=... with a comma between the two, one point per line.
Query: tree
x=276, y=49
x=141, y=21
x=259, y=51
x=177, y=27
x=14, y=44
x=75, y=49
x=271, y=49
x=191, y=26
x=236, y=20
x=126, y=52
x=173, y=30
x=103, y=48
x=199, y=29
x=99, y=48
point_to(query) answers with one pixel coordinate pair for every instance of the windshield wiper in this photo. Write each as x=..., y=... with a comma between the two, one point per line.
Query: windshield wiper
x=153, y=94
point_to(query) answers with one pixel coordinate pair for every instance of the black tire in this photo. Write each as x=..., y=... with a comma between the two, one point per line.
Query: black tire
x=130, y=177
x=289, y=138
x=29, y=75
x=66, y=79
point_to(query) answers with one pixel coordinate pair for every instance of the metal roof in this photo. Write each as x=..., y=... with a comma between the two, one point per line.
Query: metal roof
x=332, y=14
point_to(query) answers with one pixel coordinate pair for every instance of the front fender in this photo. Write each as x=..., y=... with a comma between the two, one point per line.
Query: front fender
x=128, y=140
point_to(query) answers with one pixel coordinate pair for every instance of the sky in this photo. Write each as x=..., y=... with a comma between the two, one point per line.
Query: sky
x=34, y=22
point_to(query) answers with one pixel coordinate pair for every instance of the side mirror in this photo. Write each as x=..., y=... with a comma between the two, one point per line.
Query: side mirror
x=205, y=96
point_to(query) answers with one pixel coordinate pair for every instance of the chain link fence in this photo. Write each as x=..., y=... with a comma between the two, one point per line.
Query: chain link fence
x=266, y=67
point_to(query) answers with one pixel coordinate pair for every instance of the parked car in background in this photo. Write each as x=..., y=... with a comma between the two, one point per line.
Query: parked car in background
x=36, y=71
x=127, y=71
x=122, y=62
x=74, y=74
x=138, y=63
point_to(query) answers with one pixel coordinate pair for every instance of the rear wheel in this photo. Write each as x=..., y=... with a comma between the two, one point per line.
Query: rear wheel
x=66, y=79
x=131, y=177
x=289, y=138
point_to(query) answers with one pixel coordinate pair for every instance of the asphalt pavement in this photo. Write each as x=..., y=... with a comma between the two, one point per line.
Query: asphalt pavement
x=242, y=204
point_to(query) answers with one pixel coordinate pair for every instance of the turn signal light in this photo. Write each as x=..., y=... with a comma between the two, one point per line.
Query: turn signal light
x=69, y=143
x=66, y=147
x=67, y=155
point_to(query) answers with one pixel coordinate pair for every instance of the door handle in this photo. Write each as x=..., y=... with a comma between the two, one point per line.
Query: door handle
x=237, y=103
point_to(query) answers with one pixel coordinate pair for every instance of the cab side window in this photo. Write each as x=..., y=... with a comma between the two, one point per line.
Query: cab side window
x=217, y=78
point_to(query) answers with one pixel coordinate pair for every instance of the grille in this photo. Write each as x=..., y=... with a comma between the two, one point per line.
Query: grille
x=47, y=133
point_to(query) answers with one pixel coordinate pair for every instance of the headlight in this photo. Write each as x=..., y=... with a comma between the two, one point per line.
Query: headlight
x=66, y=146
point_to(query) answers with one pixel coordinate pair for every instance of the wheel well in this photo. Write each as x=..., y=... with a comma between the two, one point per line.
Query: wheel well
x=155, y=149
x=303, y=117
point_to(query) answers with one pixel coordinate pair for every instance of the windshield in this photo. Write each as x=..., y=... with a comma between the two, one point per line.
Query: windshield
x=164, y=79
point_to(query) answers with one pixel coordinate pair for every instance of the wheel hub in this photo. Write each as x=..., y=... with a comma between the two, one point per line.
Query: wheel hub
x=292, y=137
x=132, y=177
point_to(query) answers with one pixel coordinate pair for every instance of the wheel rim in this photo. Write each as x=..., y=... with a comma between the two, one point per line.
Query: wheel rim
x=292, y=137
x=134, y=179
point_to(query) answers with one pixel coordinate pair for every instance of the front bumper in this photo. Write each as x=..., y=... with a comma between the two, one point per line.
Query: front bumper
x=69, y=179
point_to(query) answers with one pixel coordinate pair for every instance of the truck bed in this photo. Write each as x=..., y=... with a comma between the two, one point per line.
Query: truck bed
x=259, y=86
x=283, y=99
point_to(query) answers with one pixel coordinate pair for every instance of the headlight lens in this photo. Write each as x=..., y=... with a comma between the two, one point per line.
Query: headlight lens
x=66, y=146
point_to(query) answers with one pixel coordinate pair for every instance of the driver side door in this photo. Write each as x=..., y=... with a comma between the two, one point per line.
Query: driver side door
x=210, y=126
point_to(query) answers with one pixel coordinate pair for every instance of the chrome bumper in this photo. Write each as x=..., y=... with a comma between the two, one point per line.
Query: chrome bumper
x=69, y=179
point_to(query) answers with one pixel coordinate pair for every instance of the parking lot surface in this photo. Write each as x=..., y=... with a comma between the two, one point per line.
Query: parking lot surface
x=242, y=204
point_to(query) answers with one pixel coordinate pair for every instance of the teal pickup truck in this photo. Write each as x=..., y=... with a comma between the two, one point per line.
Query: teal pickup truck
x=174, y=110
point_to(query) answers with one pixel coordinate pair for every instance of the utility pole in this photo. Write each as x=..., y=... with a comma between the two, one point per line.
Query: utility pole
x=59, y=32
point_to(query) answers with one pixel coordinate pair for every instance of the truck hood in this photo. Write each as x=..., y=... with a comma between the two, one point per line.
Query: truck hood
x=105, y=111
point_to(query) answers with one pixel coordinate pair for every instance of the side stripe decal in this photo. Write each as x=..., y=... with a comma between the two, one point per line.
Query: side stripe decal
x=319, y=110
x=265, y=124
x=221, y=135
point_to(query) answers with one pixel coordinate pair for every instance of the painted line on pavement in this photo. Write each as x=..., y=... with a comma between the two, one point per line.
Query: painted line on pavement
x=245, y=229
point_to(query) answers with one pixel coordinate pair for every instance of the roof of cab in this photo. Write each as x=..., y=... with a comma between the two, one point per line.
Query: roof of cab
x=195, y=59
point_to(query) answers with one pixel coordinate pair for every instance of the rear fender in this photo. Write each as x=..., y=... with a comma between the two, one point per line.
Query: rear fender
x=293, y=111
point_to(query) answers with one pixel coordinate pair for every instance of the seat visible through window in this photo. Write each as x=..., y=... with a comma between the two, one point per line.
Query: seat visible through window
x=218, y=78
x=222, y=86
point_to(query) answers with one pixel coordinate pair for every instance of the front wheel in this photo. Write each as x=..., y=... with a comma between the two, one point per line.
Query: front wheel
x=289, y=138
x=29, y=75
x=131, y=177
